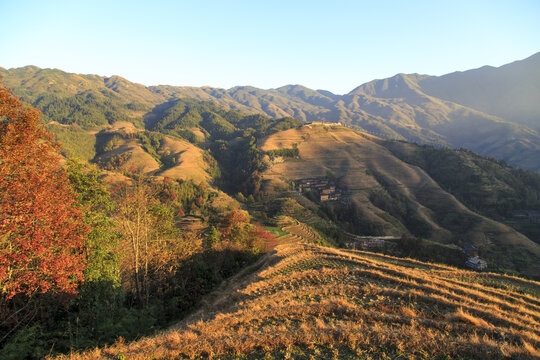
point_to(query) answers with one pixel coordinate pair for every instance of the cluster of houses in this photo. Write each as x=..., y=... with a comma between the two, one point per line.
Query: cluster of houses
x=324, y=187
x=474, y=262
x=309, y=124
x=369, y=243
x=532, y=215
x=374, y=243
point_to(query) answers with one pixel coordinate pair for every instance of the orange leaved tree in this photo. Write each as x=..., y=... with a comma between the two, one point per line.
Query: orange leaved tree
x=41, y=230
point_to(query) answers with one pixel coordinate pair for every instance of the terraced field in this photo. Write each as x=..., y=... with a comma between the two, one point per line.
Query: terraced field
x=311, y=302
x=365, y=168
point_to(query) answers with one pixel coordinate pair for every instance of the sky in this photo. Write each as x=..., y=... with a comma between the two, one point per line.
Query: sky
x=334, y=45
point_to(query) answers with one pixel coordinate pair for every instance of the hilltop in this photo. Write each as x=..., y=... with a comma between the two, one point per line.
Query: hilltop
x=313, y=302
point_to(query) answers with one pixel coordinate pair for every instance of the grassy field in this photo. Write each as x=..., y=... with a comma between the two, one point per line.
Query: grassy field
x=305, y=301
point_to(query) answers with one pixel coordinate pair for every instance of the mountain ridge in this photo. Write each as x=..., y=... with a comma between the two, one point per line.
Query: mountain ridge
x=404, y=106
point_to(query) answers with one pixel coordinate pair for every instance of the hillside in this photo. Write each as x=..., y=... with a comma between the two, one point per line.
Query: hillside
x=387, y=196
x=396, y=108
x=122, y=147
x=307, y=301
x=157, y=130
x=492, y=112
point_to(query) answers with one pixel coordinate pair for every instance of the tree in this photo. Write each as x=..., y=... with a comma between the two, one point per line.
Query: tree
x=232, y=224
x=97, y=207
x=41, y=230
x=42, y=233
x=136, y=224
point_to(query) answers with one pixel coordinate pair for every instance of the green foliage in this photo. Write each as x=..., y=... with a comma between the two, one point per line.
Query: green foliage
x=89, y=109
x=76, y=142
x=426, y=250
x=286, y=153
x=217, y=126
x=95, y=200
x=241, y=164
x=151, y=142
x=212, y=237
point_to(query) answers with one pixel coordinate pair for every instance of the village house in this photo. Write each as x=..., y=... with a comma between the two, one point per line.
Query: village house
x=324, y=187
x=532, y=215
x=369, y=243
x=476, y=263
x=520, y=214
x=309, y=124
x=470, y=250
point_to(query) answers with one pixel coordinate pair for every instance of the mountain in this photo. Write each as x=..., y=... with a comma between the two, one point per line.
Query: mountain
x=510, y=91
x=304, y=301
x=393, y=108
x=491, y=111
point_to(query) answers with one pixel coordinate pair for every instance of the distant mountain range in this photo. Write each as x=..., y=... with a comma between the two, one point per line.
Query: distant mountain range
x=494, y=112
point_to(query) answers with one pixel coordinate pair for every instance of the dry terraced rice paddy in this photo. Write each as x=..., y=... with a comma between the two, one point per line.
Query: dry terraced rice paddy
x=312, y=302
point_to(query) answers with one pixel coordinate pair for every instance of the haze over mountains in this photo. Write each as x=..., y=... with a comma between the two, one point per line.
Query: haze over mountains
x=491, y=111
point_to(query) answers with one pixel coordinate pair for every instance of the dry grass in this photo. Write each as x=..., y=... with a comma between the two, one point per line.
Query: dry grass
x=360, y=162
x=312, y=302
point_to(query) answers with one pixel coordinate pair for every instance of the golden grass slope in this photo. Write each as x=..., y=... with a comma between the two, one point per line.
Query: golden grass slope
x=313, y=302
x=189, y=159
x=190, y=164
x=359, y=163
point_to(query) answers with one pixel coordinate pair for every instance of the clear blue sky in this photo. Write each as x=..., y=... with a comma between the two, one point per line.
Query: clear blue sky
x=333, y=45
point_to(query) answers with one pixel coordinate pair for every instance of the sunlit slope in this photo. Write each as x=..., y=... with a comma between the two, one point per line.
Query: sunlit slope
x=32, y=82
x=123, y=149
x=364, y=167
x=189, y=161
x=312, y=302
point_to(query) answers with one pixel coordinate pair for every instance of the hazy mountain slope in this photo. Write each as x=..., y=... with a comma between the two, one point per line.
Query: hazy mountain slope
x=310, y=302
x=400, y=104
x=510, y=91
x=378, y=180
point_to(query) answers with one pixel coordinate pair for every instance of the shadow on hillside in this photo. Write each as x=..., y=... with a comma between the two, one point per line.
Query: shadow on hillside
x=103, y=311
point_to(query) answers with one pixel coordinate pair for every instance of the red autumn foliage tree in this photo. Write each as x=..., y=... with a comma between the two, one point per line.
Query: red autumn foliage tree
x=41, y=230
x=261, y=238
x=231, y=220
